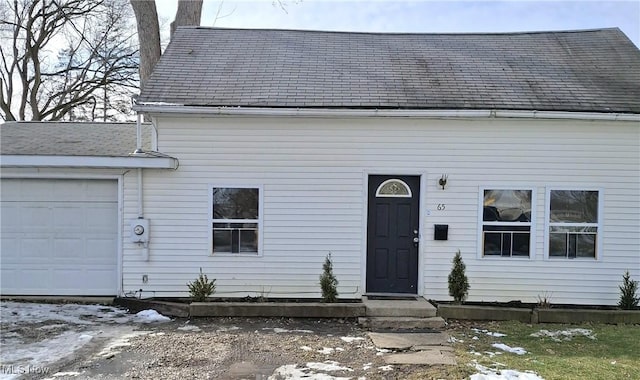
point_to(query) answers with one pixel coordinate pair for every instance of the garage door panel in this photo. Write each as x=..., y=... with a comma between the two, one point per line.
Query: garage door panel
x=102, y=217
x=33, y=217
x=69, y=217
x=69, y=248
x=59, y=237
x=35, y=248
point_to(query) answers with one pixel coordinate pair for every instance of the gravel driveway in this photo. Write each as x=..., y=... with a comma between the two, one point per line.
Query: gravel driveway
x=105, y=343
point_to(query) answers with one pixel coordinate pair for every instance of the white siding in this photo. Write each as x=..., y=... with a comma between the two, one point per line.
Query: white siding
x=313, y=172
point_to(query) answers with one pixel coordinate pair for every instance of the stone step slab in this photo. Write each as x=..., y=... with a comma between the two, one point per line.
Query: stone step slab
x=406, y=341
x=430, y=356
x=401, y=323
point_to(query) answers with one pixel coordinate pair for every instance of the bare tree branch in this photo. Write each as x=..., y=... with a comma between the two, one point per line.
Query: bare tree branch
x=99, y=56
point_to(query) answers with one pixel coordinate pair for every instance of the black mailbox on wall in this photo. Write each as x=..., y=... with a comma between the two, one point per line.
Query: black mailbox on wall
x=441, y=232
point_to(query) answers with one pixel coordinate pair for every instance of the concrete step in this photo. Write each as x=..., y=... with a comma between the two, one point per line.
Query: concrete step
x=418, y=308
x=401, y=323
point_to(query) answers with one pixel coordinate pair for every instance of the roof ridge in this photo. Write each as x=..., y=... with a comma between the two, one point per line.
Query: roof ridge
x=615, y=28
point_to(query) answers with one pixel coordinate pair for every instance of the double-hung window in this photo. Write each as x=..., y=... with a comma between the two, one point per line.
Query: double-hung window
x=506, y=223
x=236, y=220
x=573, y=223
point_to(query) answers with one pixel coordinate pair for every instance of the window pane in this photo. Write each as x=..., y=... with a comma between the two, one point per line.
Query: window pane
x=393, y=188
x=492, y=244
x=507, y=205
x=586, y=245
x=222, y=240
x=574, y=206
x=248, y=240
x=235, y=203
x=520, y=244
x=558, y=244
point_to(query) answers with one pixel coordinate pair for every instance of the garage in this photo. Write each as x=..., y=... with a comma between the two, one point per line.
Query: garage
x=59, y=236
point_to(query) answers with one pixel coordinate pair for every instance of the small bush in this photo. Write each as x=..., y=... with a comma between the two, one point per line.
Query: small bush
x=201, y=288
x=628, y=298
x=458, y=282
x=544, y=301
x=328, y=282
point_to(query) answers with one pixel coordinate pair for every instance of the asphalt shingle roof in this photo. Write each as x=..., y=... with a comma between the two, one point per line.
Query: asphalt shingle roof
x=71, y=139
x=587, y=71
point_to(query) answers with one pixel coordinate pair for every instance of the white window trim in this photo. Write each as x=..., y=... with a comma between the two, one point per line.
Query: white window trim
x=599, y=225
x=260, y=220
x=532, y=224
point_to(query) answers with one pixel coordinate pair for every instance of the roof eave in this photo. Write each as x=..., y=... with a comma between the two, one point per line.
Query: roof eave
x=88, y=162
x=166, y=108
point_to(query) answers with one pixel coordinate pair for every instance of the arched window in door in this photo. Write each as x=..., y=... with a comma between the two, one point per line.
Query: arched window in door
x=393, y=188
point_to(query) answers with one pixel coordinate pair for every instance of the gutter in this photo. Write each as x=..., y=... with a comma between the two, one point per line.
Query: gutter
x=163, y=162
x=327, y=112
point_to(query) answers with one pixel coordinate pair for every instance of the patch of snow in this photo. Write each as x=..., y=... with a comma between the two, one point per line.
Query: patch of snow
x=328, y=366
x=291, y=372
x=46, y=351
x=306, y=348
x=70, y=373
x=367, y=366
x=382, y=351
x=485, y=373
x=560, y=335
x=339, y=349
x=189, y=328
x=20, y=312
x=351, y=339
x=475, y=338
x=279, y=330
x=326, y=350
x=453, y=339
x=513, y=350
x=225, y=329
x=490, y=333
x=150, y=316
x=114, y=346
x=386, y=368
x=52, y=327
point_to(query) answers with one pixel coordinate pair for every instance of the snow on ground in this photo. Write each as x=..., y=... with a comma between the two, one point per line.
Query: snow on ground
x=351, y=339
x=291, y=371
x=150, y=316
x=513, y=350
x=66, y=329
x=43, y=353
x=189, y=328
x=279, y=330
x=485, y=373
x=490, y=333
x=14, y=312
x=560, y=335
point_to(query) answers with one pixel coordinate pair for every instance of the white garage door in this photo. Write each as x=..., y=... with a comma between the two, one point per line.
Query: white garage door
x=59, y=237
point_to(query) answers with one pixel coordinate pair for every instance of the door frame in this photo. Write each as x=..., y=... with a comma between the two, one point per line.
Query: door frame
x=79, y=175
x=421, y=223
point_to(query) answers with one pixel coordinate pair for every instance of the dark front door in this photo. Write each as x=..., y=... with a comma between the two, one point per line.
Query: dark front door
x=392, y=234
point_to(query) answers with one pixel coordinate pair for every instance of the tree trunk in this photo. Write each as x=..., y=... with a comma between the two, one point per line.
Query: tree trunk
x=148, y=36
x=189, y=13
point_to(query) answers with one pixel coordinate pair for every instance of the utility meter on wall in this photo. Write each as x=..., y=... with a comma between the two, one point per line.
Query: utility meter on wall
x=140, y=230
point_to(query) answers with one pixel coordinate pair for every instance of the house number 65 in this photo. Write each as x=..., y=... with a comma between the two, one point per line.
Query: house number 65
x=441, y=206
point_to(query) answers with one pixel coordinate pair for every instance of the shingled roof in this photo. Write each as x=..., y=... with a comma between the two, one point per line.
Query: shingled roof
x=71, y=139
x=582, y=71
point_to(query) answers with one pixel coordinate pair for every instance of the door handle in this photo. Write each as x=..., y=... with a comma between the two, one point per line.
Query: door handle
x=416, y=239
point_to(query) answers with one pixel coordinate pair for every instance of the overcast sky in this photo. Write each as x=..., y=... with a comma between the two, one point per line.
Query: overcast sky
x=419, y=15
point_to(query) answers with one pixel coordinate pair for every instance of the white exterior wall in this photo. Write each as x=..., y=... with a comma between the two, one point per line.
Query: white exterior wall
x=313, y=174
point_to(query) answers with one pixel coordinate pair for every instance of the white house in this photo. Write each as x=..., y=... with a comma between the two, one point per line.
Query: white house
x=390, y=151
